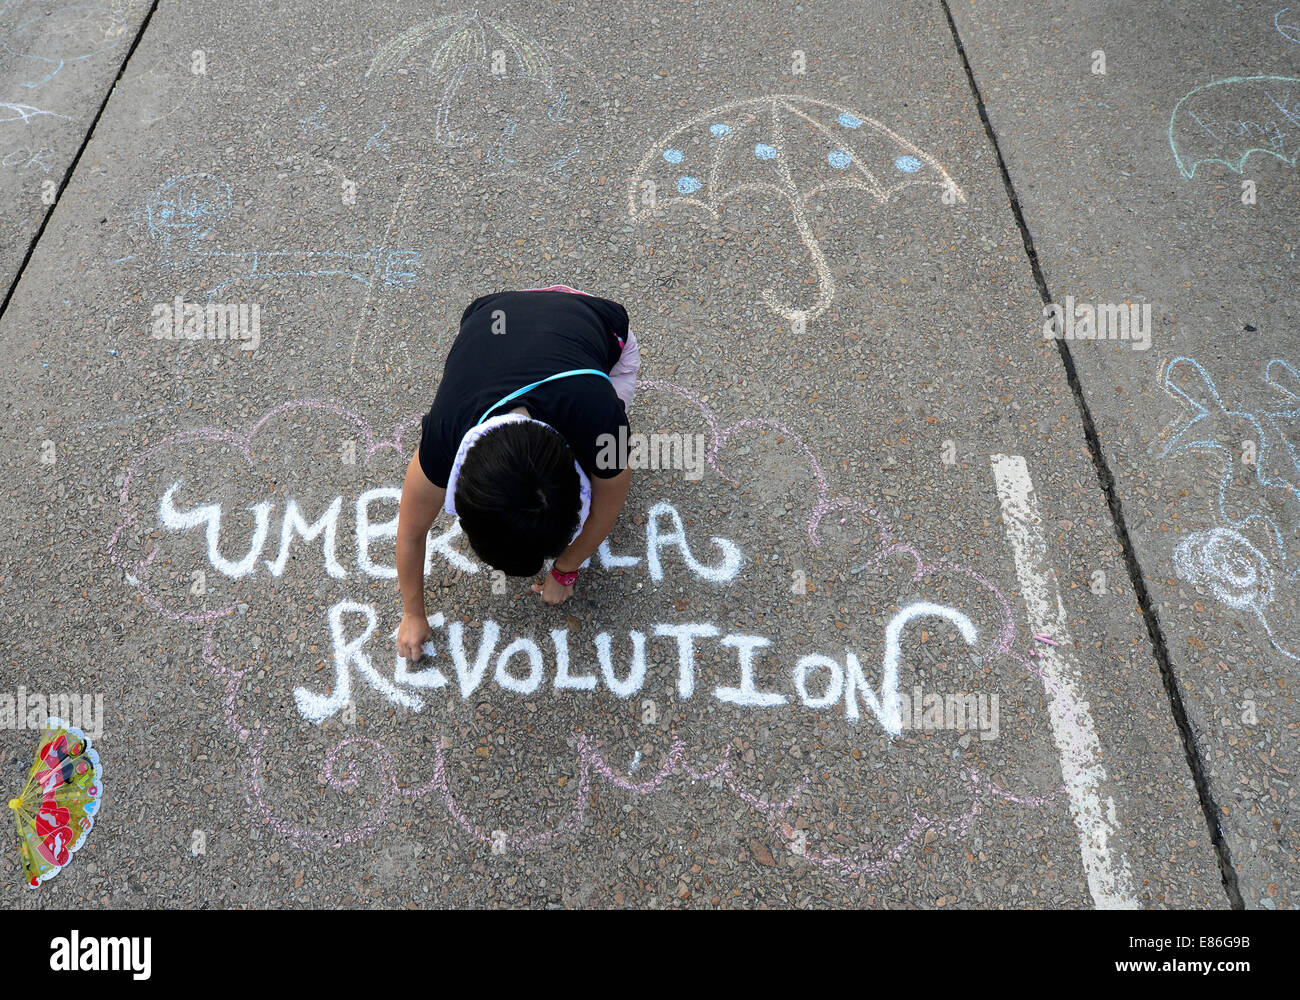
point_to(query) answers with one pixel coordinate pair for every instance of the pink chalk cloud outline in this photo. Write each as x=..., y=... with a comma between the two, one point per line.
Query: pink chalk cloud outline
x=343, y=771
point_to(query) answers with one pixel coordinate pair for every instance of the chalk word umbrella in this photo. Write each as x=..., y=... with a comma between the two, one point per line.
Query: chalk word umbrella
x=795, y=147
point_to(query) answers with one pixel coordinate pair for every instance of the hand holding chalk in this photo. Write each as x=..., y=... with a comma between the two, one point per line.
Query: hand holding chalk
x=552, y=591
x=412, y=634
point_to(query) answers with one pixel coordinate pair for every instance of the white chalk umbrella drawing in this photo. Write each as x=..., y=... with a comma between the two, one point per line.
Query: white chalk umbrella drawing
x=796, y=147
x=461, y=43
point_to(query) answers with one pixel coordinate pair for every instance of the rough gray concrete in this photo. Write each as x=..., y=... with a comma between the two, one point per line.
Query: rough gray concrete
x=57, y=64
x=1124, y=206
x=854, y=360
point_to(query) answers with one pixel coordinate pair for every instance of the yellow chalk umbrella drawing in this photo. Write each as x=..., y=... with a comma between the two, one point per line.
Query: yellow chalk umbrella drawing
x=460, y=43
x=796, y=147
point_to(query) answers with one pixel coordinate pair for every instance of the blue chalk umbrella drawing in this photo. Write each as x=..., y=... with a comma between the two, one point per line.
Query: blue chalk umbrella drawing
x=1288, y=28
x=795, y=147
x=1229, y=120
x=449, y=48
x=45, y=44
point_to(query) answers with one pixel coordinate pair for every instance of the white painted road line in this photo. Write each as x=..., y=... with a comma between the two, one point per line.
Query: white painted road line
x=1072, y=726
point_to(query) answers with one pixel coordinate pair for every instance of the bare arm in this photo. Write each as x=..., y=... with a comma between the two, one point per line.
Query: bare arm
x=421, y=501
x=607, y=499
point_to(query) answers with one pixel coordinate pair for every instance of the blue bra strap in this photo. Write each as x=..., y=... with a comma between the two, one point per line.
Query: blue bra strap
x=528, y=388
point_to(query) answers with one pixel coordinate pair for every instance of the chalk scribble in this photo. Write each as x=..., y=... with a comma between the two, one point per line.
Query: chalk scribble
x=182, y=212
x=44, y=45
x=179, y=219
x=1229, y=120
x=449, y=52
x=1288, y=29
x=1255, y=547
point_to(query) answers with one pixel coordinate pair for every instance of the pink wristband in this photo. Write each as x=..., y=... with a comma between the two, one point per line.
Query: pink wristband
x=564, y=579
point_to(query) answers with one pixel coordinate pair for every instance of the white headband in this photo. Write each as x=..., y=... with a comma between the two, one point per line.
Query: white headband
x=477, y=431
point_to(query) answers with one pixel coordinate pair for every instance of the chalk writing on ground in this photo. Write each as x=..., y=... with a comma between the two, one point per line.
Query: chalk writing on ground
x=794, y=147
x=24, y=157
x=1253, y=552
x=446, y=54
x=1228, y=120
x=172, y=528
x=457, y=101
x=179, y=219
x=45, y=44
x=25, y=134
x=183, y=211
x=1287, y=26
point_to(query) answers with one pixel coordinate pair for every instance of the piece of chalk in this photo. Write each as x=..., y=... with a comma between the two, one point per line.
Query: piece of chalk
x=1042, y=638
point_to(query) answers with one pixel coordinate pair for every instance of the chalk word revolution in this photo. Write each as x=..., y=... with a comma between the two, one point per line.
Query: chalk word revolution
x=816, y=681
x=520, y=666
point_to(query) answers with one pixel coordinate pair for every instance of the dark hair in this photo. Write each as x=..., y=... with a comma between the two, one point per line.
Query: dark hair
x=518, y=497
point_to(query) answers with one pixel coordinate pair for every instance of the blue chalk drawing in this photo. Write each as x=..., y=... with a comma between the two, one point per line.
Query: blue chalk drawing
x=312, y=122
x=1209, y=125
x=908, y=164
x=187, y=208
x=558, y=166
x=555, y=111
x=24, y=157
x=183, y=211
x=497, y=151
x=531, y=113
x=24, y=113
x=374, y=139
x=1224, y=559
x=61, y=36
x=782, y=129
x=1291, y=32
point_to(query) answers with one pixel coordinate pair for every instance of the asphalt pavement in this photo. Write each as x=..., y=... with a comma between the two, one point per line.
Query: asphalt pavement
x=932, y=608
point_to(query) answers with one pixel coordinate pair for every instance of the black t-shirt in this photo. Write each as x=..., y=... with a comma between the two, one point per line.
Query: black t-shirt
x=543, y=334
